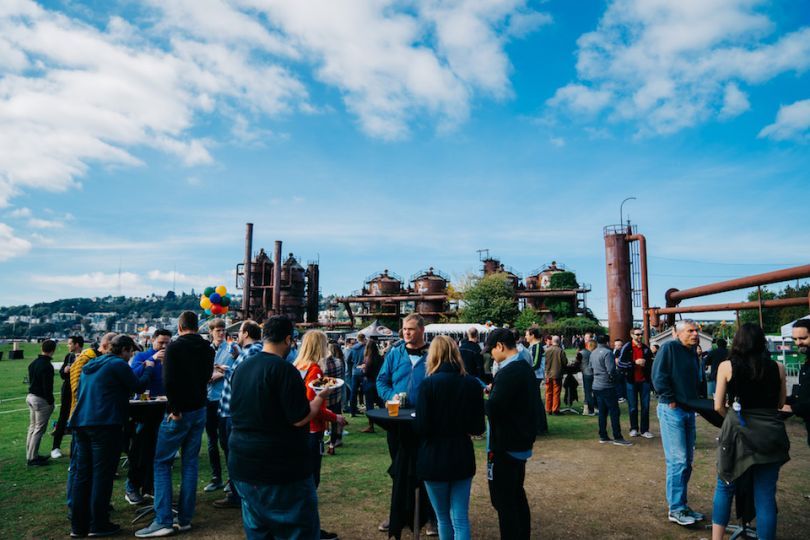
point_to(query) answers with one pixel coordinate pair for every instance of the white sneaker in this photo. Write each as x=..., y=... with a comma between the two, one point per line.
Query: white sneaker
x=647, y=435
x=634, y=433
x=56, y=453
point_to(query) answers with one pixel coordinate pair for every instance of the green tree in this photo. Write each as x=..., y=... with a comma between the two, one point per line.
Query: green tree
x=528, y=318
x=563, y=280
x=491, y=298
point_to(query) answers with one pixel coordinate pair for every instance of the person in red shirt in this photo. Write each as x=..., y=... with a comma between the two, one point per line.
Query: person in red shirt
x=635, y=362
x=314, y=349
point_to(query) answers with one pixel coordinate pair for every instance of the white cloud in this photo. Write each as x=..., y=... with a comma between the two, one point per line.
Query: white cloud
x=558, y=142
x=45, y=224
x=182, y=279
x=792, y=123
x=20, y=213
x=735, y=102
x=99, y=281
x=666, y=66
x=75, y=94
x=13, y=246
x=580, y=99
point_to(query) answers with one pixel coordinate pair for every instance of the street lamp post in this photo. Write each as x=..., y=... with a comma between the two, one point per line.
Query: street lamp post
x=621, y=209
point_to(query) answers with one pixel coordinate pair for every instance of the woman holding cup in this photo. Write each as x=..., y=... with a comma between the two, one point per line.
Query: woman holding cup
x=450, y=410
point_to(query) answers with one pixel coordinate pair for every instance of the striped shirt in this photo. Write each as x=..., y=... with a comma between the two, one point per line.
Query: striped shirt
x=225, y=400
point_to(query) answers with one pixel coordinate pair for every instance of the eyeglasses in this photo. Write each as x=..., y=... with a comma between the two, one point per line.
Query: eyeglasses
x=637, y=335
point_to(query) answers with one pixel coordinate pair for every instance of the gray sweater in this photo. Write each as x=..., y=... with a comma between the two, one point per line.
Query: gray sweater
x=603, y=364
x=587, y=370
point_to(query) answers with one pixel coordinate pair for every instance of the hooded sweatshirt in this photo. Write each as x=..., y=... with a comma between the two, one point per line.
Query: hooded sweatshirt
x=104, y=389
x=187, y=368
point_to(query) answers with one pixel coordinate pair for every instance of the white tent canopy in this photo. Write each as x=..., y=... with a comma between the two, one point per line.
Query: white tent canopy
x=375, y=330
x=455, y=329
x=787, y=329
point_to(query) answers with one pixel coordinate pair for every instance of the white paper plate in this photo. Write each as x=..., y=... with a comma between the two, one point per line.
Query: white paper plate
x=340, y=382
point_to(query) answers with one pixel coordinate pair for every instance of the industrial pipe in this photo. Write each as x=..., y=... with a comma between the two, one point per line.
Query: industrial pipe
x=545, y=293
x=675, y=296
x=645, y=298
x=277, y=278
x=391, y=299
x=733, y=306
x=248, y=272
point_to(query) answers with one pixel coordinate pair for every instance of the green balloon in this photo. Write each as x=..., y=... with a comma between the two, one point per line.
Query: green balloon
x=209, y=291
x=226, y=301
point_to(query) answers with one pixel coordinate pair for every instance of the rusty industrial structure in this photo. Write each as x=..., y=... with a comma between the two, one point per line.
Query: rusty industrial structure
x=386, y=295
x=275, y=287
x=627, y=285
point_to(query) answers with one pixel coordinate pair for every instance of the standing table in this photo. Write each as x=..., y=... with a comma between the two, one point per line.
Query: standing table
x=405, y=509
x=146, y=411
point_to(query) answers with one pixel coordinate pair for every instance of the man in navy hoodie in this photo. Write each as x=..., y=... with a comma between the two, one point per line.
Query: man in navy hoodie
x=102, y=407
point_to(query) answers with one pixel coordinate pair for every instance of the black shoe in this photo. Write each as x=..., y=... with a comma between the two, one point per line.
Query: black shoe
x=325, y=535
x=38, y=461
x=74, y=534
x=108, y=530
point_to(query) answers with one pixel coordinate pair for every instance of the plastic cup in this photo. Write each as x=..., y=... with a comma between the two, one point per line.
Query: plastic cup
x=393, y=407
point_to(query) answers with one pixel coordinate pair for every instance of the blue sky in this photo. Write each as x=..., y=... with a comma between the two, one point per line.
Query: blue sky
x=397, y=135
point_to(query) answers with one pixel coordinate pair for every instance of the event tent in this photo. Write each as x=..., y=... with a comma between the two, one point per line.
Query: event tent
x=456, y=330
x=375, y=330
x=787, y=329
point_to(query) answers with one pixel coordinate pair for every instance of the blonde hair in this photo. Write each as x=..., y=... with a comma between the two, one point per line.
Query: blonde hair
x=443, y=350
x=314, y=348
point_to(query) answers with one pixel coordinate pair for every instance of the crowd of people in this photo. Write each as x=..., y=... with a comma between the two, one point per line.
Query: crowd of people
x=256, y=400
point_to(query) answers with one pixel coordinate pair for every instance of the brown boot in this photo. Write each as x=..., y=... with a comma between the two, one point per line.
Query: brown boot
x=367, y=429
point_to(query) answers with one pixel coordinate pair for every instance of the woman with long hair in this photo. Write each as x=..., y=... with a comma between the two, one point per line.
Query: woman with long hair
x=372, y=363
x=314, y=349
x=450, y=410
x=753, y=443
x=334, y=366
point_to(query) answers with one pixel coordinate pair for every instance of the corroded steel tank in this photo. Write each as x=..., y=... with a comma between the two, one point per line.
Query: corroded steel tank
x=384, y=283
x=293, y=298
x=430, y=282
x=261, y=279
x=544, y=277
x=619, y=287
x=491, y=266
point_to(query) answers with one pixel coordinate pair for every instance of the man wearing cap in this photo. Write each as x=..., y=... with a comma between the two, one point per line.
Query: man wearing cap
x=512, y=412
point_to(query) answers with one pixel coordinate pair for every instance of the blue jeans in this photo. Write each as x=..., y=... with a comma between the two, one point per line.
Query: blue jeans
x=98, y=450
x=184, y=435
x=765, y=477
x=639, y=394
x=451, y=501
x=71, y=472
x=621, y=389
x=678, y=439
x=357, y=386
x=587, y=387
x=607, y=403
x=710, y=388
x=280, y=511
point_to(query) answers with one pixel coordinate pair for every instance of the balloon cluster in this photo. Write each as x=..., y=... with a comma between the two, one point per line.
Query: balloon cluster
x=215, y=300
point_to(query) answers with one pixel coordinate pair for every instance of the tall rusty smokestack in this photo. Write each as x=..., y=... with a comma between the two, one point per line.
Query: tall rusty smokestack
x=277, y=278
x=619, y=288
x=248, y=271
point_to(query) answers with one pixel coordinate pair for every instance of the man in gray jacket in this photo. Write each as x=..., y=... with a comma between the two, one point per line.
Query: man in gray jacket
x=604, y=388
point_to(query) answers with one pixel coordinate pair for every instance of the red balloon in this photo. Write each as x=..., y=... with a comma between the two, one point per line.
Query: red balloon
x=216, y=309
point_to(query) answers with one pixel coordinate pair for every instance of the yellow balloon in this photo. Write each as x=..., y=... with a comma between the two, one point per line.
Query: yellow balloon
x=221, y=290
x=205, y=303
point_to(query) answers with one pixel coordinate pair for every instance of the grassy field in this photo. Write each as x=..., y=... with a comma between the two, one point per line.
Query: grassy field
x=577, y=488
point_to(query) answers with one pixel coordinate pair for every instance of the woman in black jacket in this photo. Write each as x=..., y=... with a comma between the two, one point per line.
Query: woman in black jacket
x=449, y=411
x=372, y=363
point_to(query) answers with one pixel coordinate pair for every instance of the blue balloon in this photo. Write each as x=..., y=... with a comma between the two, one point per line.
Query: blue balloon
x=208, y=312
x=215, y=298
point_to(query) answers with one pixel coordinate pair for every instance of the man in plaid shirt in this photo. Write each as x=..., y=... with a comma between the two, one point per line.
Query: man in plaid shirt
x=250, y=341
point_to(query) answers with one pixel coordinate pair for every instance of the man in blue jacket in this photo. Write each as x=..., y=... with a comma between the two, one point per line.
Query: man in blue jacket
x=676, y=378
x=403, y=370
